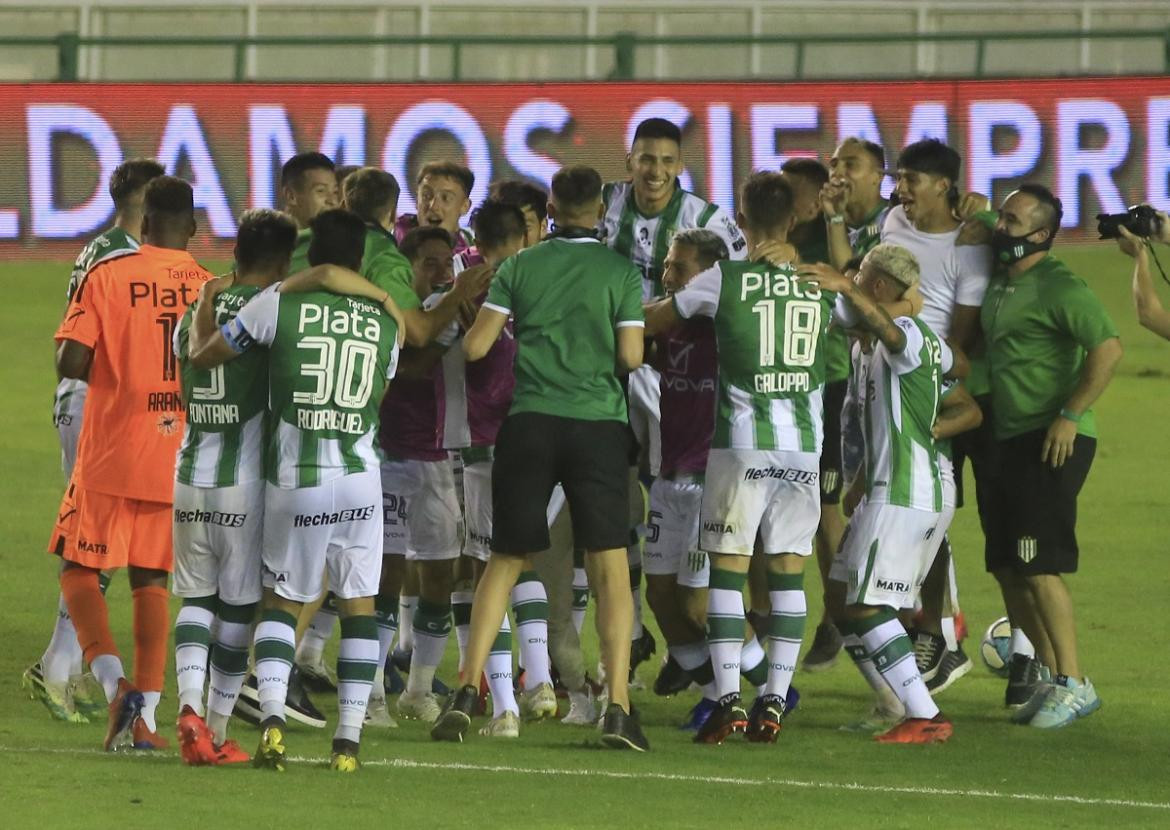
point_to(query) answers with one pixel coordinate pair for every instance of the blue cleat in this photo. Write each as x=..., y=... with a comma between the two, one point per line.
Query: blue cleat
x=698, y=715
x=1066, y=701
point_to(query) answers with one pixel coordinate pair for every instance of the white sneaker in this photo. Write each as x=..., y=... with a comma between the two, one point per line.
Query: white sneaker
x=887, y=711
x=582, y=709
x=419, y=706
x=318, y=677
x=378, y=713
x=538, y=702
x=506, y=725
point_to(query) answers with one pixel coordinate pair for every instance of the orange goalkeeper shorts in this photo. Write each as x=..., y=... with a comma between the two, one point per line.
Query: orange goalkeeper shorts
x=101, y=531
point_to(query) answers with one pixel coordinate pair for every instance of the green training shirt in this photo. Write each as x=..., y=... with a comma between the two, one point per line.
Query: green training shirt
x=567, y=296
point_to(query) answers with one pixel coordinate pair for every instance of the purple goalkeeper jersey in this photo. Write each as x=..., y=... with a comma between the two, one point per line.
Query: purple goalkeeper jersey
x=688, y=361
x=408, y=221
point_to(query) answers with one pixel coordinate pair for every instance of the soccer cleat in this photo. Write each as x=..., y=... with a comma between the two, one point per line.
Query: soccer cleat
x=506, y=725
x=766, y=718
x=270, y=752
x=887, y=711
x=620, y=730
x=229, y=752
x=641, y=650
x=538, y=702
x=422, y=706
x=672, y=678
x=247, y=706
x=727, y=718
x=792, y=699
x=317, y=677
x=1028, y=710
x=453, y=723
x=53, y=696
x=297, y=704
x=123, y=710
x=934, y=730
x=378, y=713
x=826, y=645
x=1024, y=676
x=345, y=756
x=928, y=653
x=698, y=715
x=582, y=709
x=400, y=660
x=1066, y=701
x=196, y=746
x=143, y=738
x=954, y=665
x=87, y=695
x=392, y=681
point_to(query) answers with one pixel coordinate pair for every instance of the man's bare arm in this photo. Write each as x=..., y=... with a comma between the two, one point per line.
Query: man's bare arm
x=73, y=360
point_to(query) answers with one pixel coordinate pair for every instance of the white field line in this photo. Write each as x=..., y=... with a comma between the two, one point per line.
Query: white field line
x=648, y=775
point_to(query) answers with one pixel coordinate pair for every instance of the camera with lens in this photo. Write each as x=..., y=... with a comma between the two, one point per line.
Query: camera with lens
x=1140, y=220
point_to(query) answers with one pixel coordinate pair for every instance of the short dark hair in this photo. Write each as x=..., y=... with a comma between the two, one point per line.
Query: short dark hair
x=265, y=237
x=449, y=170
x=369, y=191
x=293, y=172
x=168, y=196
x=495, y=222
x=659, y=128
x=853, y=264
x=339, y=238
x=873, y=149
x=709, y=246
x=809, y=169
x=766, y=200
x=575, y=186
x=342, y=172
x=1052, y=209
x=412, y=243
x=522, y=194
x=932, y=157
x=131, y=175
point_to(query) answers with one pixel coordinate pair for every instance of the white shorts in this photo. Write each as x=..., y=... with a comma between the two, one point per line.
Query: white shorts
x=672, y=538
x=68, y=405
x=885, y=554
x=218, y=540
x=774, y=493
x=334, y=527
x=420, y=497
x=645, y=414
x=477, y=509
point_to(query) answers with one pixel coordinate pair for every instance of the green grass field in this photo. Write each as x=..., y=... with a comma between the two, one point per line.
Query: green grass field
x=1107, y=770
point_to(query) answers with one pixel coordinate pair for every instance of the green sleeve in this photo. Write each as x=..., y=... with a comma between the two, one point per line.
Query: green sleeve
x=391, y=272
x=987, y=218
x=1081, y=315
x=629, y=307
x=500, y=293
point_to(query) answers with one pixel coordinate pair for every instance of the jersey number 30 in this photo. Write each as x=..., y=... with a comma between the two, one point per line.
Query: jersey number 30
x=802, y=328
x=347, y=381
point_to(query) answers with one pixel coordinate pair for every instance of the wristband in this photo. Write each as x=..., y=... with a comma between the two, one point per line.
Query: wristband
x=1069, y=415
x=836, y=220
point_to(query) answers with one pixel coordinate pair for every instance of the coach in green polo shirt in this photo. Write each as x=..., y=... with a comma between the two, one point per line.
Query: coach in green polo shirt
x=1051, y=351
x=577, y=317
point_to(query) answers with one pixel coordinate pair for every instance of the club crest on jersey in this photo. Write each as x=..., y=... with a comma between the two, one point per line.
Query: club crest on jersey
x=167, y=424
x=1026, y=549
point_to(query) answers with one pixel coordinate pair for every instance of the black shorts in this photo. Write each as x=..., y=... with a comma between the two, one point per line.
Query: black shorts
x=590, y=459
x=831, y=475
x=1031, y=520
x=980, y=447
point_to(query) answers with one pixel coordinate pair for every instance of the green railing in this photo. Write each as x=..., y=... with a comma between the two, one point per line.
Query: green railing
x=623, y=45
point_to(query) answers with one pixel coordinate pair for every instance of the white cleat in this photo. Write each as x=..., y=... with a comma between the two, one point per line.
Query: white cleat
x=886, y=713
x=539, y=702
x=506, y=725
x=582, y=709
x=378, y=713
x=419, y=706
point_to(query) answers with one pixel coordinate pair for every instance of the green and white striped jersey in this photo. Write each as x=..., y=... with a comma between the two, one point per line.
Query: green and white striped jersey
x=644, y=240
x=329, y=359
x=901, y=394
x=69, y=399
x=223, y=440
x=771, y=331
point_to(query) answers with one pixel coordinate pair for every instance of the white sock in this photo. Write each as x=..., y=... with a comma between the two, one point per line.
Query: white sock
x=63, y=655
x=357, y=664
x=386, y=613
x=274, y=650
x=311, y=648
x=406, y=608
x=149, y=707
x=530, y=605
x=192, y=643
x=107, y=668
x=725, y=622
x=499, y=673
x=892, y=652
x=691, y=657
x=1021, y=644
x=461, y=614
x=432, y=628
x=229, y=668
x=580, y=598
x=856, y=650
x=786, y=630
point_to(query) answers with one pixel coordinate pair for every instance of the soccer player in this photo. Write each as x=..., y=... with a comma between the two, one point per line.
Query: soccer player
x=116, y=512
x=443, y=197
x=576, y=310
x=219, y=499
x=641, y=216
x=308, y=185
x=890, y=542
x=762, y=470
x=1051, y=352
x=953, y=279
x=532, y=201
x=58, y=679
x=852, y=201
x=329, y=359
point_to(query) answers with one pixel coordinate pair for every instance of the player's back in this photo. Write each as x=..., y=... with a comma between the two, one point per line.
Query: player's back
x=127, y=310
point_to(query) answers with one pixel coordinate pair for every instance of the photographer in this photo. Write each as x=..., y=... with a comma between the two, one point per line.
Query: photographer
x=1150, y=313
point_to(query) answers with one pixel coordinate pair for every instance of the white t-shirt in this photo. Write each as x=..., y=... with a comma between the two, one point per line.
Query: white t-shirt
x=949, y=274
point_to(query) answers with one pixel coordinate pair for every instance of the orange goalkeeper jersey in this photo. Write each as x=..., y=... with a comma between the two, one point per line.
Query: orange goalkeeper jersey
x=127, y=311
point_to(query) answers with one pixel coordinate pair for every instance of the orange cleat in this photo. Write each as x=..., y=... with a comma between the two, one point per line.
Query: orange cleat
x=145, y=739
x=124, y=711
x=229, y=753
x=934, y=730
x=195, y=743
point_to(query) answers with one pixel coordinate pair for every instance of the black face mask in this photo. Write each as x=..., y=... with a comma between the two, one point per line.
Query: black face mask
x=1009, y=249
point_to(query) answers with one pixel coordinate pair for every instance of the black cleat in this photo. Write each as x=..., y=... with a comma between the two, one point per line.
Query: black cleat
x=672, y=679
x=622, y=731
x=766, y=718
x=298, y=706
x=954, y=665
x=455, y=719
x=641, y=650
x=826, y=645
x=1024, y=679
x=928, y=653
x=728, y=717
